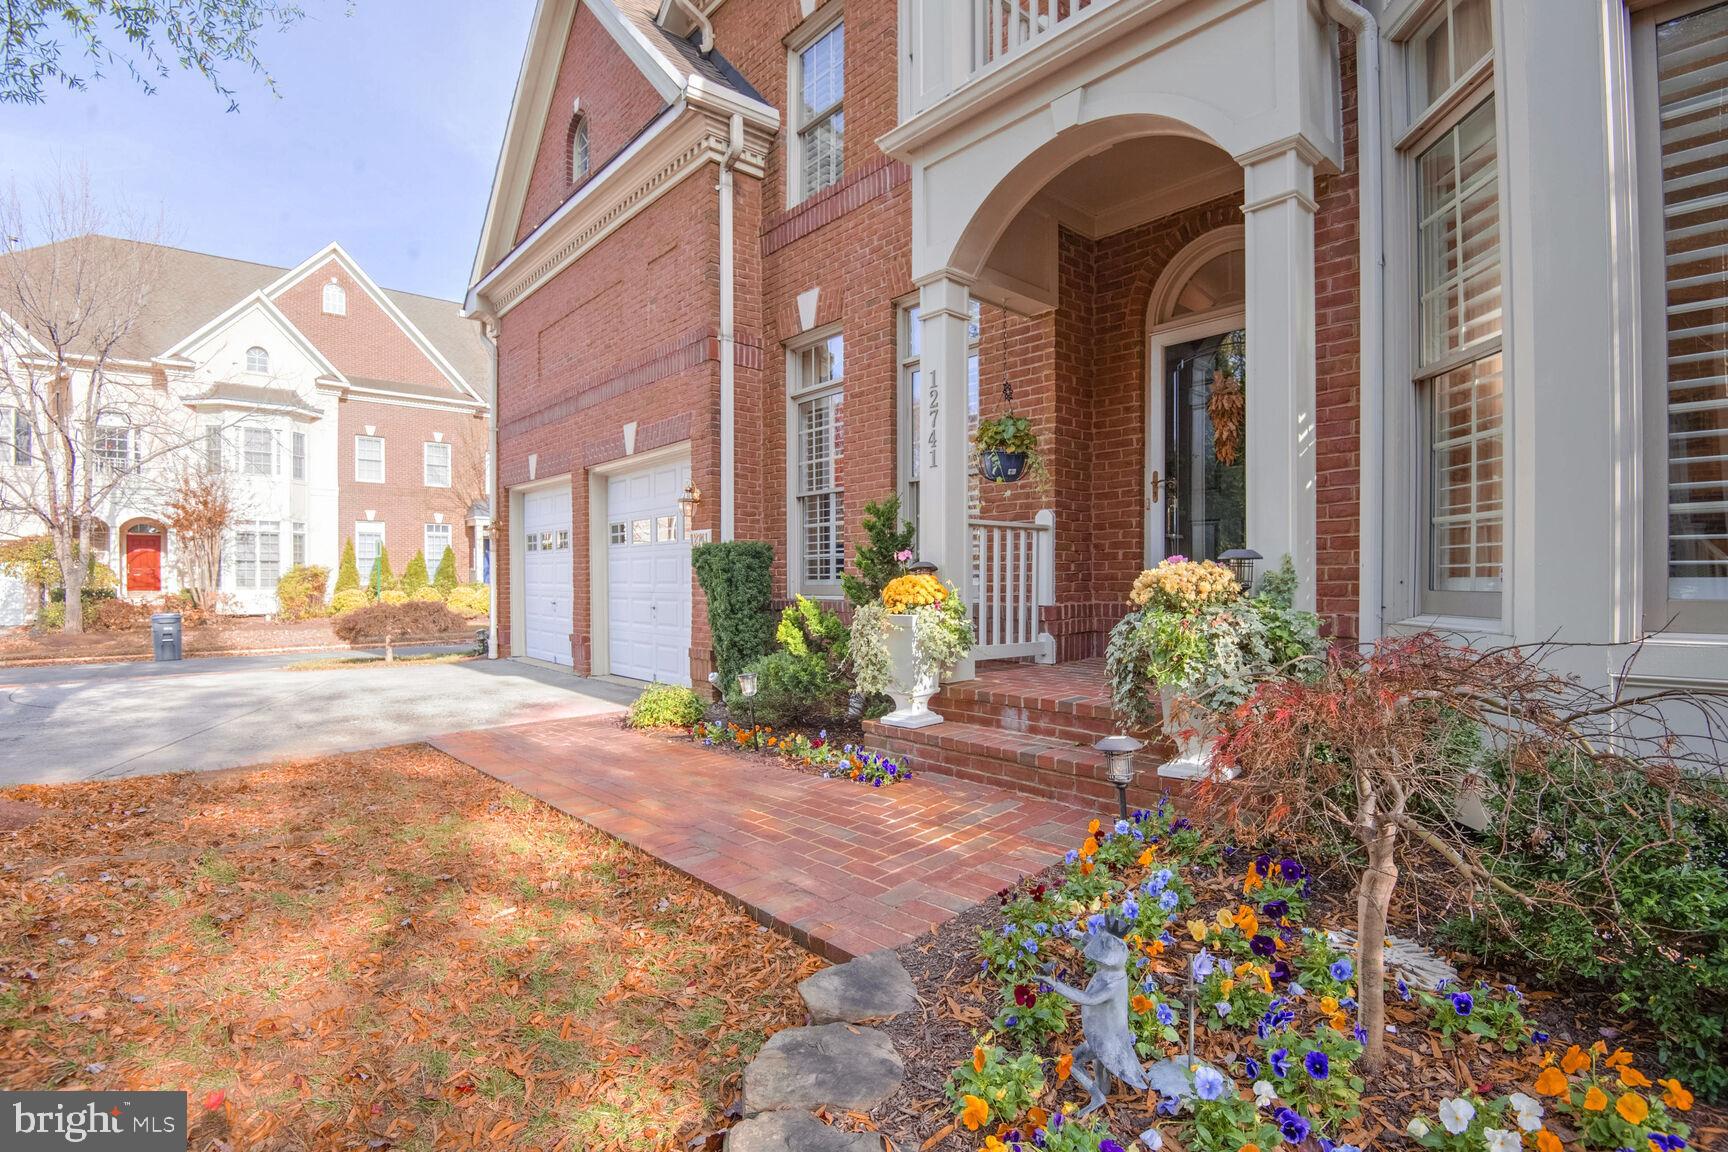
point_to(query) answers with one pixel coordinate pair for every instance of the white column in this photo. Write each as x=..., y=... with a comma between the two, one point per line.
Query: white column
x=1279, y=214
x=943, y=535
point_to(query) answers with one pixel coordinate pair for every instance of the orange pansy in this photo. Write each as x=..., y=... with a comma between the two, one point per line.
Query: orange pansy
x=1575, y=1060
x=1632, y=1107
x=1145, y=858
x=975, y=1113
x=1552, y=1082
x=1675, y=1096
x=1546, y=1141
x=1037, y=1117
x=1632, y=1078
x=1139, y=1003
x=978, y=1059
x=1089, y=849
x=1092, y=828
x=1085, y=867
x=1064, y=1065
x=1595, y=1100
x=1620, y=1058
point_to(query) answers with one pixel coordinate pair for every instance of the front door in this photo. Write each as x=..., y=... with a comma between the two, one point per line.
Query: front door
x=144, y=558
x=1200, y=493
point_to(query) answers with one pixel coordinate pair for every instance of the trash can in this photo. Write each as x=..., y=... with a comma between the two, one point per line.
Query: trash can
x=165, y=635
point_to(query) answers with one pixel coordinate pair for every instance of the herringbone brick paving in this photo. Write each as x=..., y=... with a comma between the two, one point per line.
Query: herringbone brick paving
x=842, y=868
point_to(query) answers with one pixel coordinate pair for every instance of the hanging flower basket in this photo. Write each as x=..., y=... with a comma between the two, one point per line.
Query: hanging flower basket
x=1008, y=449
x=1000, y=466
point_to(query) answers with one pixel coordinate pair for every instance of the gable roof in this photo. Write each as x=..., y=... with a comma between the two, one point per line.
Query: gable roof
x=189, y=290
x=676, y=67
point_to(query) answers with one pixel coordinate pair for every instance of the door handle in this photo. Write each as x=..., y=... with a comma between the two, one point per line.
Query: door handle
x=1157, y=482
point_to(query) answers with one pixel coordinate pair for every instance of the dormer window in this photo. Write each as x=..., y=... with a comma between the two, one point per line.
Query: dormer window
x=257, y=360
x=335, y=299
x=578, y=145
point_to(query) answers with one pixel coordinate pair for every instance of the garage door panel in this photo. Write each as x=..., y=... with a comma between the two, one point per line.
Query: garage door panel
x=648, y=563
x=547, y=574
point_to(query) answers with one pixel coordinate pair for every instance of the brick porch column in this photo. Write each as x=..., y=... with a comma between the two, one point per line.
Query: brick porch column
x=944, y=538
x=1279, y=217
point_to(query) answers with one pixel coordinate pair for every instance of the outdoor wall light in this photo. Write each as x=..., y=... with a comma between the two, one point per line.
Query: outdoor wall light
x=687, y=503
x=1241, y=562
x=747, y=689
x=1119, y=765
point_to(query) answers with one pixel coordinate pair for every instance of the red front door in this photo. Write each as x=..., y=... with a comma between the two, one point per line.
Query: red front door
x=144, y=561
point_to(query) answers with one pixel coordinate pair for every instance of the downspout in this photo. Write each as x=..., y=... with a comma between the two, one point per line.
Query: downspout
x=728, y=348
x=1370, y=193
x=702, y=22
x=491, y=330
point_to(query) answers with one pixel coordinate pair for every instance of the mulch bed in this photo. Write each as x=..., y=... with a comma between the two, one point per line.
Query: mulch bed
x=230, y=636
x=959, y=1004
x=379, y=950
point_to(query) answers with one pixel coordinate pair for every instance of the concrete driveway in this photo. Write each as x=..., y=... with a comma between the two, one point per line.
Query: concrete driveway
x=85, y=722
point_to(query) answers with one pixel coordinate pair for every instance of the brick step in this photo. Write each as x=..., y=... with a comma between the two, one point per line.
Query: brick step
x=1078, y=719
x=1044, y=766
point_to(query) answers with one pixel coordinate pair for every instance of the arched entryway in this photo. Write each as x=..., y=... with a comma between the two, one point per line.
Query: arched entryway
x=143, y=549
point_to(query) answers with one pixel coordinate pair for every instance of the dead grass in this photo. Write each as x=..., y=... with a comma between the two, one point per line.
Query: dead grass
x=386, y=948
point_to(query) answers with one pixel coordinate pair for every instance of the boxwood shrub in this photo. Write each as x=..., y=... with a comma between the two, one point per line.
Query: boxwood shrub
x=737, y=579
x=665, y=706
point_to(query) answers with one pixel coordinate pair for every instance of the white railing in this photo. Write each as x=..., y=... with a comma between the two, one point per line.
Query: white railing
x=1005, y=28
x=1013, y=578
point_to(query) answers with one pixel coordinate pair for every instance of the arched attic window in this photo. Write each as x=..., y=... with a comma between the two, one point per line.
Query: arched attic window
x=577, y=143
x=257, y=359
x=335, y=299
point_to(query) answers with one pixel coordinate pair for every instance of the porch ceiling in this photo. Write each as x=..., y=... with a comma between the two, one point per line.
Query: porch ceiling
x=1138, y=180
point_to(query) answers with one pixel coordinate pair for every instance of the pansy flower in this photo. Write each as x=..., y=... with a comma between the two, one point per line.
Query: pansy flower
x=1463, y=1003
x=1316, y=1064
x=1279, y=1059
x=1292, y=1125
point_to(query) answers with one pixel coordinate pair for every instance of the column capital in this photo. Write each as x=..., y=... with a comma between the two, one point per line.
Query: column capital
x=1279, y=172
x=944, y=292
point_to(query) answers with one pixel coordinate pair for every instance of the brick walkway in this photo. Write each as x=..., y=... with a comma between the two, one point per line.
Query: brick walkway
x=841, y=868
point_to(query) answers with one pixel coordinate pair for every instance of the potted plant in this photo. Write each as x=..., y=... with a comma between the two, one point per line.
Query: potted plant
x=1194, y=636
x=1007, y=449
x=904, y=644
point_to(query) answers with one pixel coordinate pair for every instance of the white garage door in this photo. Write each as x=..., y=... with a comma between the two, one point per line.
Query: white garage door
x=545, y=544
x=648, y=574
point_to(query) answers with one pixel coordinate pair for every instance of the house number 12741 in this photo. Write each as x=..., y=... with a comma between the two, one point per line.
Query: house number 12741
x=934, y=411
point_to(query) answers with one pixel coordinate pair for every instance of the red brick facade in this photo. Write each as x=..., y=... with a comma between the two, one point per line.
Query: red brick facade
x=404, y=504
x=630, y=333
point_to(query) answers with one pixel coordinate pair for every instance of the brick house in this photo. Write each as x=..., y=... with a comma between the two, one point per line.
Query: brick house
x=341, y=411
x=758, y=246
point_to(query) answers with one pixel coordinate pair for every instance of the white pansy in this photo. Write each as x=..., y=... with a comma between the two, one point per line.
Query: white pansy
x=1500, y=1140
x=1527, y=1110
x=1264, y=1093
x=1152, y=1138
x=1456, y=1114
x=1418, y=1127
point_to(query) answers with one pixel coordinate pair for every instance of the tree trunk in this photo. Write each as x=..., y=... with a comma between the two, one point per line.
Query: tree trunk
x=389, y=649
x=1373, y=903
x=71, y=582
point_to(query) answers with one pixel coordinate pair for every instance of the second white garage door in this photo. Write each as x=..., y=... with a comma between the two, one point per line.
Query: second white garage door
x=648, y=574
x=546, y=574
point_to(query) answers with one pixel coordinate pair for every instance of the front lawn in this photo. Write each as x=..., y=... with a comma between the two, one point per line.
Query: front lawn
x=385, y=948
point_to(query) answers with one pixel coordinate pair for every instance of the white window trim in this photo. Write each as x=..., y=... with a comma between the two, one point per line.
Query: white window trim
x=334, y=289
x=1687, y=625
x=262, y=579
x=426, y=453
x=796, y=395
x=246, y=431
x=264, y=371
x=369, y=528
x=382, y=457
x=298, y=452
x=579, y=131
x=813, y=30
x=1409, y=607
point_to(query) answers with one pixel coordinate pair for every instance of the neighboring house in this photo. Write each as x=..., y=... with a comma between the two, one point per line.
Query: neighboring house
x=1467, y=259
x=340, y=411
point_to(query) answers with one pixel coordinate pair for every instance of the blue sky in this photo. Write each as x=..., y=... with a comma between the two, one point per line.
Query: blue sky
x=384, y=138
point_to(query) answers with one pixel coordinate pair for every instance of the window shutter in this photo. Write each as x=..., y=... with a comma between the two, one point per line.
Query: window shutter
x=1692, y=79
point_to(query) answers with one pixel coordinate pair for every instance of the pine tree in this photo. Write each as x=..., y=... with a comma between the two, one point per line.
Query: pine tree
x=348, y=572
x=414, y=576
x=878, y=558
x=382, y=578
x=445, y=579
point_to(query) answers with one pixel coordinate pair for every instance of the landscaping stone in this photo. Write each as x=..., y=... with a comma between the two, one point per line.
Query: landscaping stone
x=872, y=987
x=796, y=1132
x=1420, y=966
x=825, y=1066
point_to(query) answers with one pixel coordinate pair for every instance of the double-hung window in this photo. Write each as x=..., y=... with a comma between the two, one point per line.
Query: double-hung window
x=819, y=115
x=1459, y=370
x=257, y=554
x=437, y=540
x=368, y=542
x=1680, y=61
x=117, y=447
x=369, y=459
x=15, y=432
x=435, y=462
x=816, y=377
x=298, y=556
x=213, y=447
x=297, y=456
x=258, y=451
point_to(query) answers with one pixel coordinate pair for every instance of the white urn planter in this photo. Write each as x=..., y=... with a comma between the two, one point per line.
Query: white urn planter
x=1186, y=724
x=911, y=692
